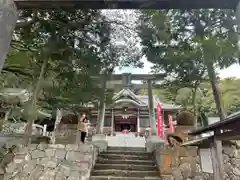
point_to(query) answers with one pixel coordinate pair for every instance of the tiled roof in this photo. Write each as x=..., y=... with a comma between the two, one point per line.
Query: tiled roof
x=143, y=100
x=156, y=101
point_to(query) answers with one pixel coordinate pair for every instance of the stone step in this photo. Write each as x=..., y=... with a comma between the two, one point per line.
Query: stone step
x=68, y=140
x=128, y=153
x=125, y=161
x=129, y=149
x=124, y=156
x=122, y=178
x=124, y=173
x=140, y=167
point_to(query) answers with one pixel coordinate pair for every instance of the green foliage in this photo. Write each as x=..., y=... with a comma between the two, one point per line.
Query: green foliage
x=230, y=93
x=185, y=118
x=187, y=45
x=77, y=44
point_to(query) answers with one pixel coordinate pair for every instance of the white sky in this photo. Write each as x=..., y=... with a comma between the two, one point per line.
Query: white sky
x=232, y=71
x=129, y=17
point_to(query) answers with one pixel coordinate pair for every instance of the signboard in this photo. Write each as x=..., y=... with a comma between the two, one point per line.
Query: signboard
x=160, y=120
x=171, y=125
x=206, y=160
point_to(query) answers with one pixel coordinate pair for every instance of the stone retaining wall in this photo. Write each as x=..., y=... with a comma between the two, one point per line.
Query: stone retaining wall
x=184, y=163
x=52, y=162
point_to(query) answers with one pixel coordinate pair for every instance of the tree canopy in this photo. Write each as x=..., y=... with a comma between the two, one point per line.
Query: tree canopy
x=187, y=45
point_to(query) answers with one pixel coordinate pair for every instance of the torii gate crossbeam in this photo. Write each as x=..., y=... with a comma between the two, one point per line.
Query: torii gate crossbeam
x=126, y=4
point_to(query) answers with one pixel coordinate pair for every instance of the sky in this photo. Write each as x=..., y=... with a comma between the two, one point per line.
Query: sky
x=232, y=71
x=129, y=17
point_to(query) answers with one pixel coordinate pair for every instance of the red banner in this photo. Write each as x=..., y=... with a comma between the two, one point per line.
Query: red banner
x=160, y=120
x=171, y=125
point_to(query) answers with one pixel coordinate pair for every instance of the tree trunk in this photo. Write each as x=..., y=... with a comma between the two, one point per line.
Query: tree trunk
x=4, y=119
x=216, y=91
x=100, y=122
x=238, y=22
x=78, y=134
x=217, y=144
x=194, y=93
x=8, y=20
x=30, y=109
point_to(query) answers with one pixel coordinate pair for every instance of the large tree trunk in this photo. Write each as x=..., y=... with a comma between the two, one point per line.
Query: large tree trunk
x=100, y=121
x=8, y=20
x=30, y=110
x=4, y=119
x=216, y=91
x=217, y=144
x=238, y=22
x=194, y=94
x=78, y=133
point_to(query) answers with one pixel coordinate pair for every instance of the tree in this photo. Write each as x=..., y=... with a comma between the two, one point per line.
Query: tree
x=230, y=93
x=69, y=47
x=190, y=43
x=172, y=54
x=72, y=52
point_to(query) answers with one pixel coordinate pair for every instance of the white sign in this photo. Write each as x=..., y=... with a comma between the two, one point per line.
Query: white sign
x=206, y=160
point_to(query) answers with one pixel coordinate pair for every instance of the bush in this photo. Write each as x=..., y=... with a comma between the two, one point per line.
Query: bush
x=185, y=118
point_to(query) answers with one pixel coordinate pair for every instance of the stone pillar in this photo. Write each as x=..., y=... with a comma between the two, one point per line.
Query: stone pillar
x=153, y=141
x=151, y=109
x=138, y=122
x=112, y=123
x=8, y=19
x=99, y=139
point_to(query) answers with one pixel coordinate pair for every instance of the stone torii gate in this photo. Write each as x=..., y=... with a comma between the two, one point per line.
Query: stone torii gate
x=99, y=139
x=126, y=79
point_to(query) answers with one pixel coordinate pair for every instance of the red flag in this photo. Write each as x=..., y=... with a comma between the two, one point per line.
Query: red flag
x=160, y=121
x=171, y=125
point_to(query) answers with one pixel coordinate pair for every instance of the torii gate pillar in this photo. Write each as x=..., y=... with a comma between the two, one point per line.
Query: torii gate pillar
x=8, y=20
x=151, y=108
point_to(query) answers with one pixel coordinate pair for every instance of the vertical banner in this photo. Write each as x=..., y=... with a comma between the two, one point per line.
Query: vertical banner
x=160, y=120
x=171, y=125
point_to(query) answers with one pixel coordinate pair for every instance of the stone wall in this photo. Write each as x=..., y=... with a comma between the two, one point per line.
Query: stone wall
x=51, y=162
x=66, y=130
x=184, y=163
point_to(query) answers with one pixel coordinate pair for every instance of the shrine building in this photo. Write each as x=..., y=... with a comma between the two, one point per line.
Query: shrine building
x=131, y=111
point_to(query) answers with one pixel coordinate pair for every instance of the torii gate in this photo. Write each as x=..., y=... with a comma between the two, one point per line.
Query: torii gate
x=126, y=79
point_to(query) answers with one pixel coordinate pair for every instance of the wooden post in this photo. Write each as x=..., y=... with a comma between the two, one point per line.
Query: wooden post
x=216, y=150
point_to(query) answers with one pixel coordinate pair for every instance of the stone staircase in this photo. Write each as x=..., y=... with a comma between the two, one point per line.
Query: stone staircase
x=125, y=164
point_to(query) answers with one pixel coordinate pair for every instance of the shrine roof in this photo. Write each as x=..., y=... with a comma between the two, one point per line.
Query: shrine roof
x=157, y=101
x=126, y=95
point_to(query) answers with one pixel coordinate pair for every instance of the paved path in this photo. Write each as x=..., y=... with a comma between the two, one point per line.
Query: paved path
x=125, y=140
